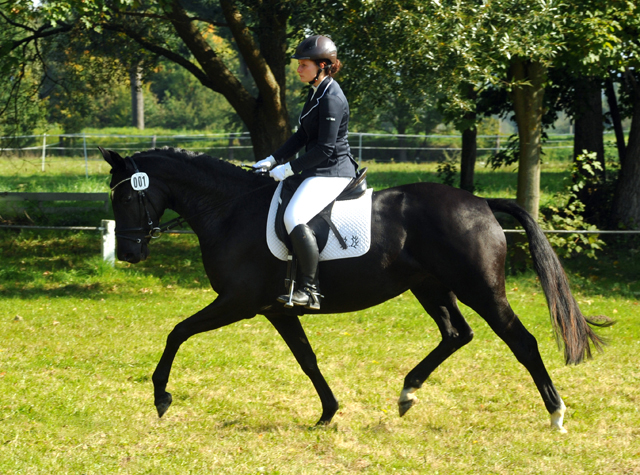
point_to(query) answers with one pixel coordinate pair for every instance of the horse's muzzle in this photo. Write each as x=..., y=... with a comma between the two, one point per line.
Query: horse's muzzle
x=133, y=254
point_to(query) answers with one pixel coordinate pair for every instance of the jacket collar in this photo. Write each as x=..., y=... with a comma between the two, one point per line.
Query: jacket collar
x=322, y=86
x=313, y=102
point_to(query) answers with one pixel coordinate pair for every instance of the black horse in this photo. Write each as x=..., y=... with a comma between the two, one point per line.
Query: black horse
x=439, y=242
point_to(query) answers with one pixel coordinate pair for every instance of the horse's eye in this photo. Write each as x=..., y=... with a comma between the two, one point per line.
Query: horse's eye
x=126, y=198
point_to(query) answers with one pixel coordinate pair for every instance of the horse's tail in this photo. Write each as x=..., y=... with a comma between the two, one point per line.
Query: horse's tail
x=569, y=324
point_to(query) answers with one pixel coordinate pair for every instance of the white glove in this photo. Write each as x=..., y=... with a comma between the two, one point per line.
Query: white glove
x=281, y=172
x=267, y=163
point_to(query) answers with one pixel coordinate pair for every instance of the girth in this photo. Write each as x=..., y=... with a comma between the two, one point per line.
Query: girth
x=321, y=223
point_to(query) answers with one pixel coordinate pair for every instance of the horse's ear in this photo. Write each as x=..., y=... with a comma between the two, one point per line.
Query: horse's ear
x=113, y=159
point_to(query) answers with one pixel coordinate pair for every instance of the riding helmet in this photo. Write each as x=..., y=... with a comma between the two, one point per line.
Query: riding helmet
x=317, y=48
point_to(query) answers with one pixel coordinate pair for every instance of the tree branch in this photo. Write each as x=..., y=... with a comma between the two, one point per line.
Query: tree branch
x=250, y=51
x=40, y=34
x=166, y=18
x=13, y=95
x=16, y=24
x=218, y=73
x=167, y=53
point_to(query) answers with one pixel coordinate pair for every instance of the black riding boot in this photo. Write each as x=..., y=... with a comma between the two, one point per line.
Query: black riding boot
x=305, y=247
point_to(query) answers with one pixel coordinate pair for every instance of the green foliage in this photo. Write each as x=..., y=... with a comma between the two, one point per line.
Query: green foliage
x=180, y=102
x=447, y=169
x=571, y=216
x=80, y=89
x=507, y=155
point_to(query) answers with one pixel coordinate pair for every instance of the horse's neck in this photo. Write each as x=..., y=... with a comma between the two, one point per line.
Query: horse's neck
x=197, y=193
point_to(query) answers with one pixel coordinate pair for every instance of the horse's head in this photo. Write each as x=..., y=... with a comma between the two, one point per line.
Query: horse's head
x=137, y=206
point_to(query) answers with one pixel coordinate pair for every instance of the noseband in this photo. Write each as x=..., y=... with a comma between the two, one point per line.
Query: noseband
x=141, y=183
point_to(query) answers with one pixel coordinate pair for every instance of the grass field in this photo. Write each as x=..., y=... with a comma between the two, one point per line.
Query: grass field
x=79, y=341
x=68, y=174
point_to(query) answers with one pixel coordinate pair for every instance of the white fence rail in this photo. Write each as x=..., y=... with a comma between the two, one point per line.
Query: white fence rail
x=364, y=146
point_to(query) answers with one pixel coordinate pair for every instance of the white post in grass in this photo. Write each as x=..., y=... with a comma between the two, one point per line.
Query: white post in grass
x=109, y=241
x=44, y=149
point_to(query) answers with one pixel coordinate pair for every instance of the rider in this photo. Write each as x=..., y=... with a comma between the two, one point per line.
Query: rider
x=326, y=166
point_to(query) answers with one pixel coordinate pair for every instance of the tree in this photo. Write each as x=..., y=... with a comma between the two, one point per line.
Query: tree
x=626, y=205
x=459, y=48
x=208, y=39
x=137, y=96
x=603, y=47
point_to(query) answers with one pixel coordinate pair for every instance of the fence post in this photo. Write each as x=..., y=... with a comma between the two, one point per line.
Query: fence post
x=109, y=241
x=360, y=149
x=86, y=160
x=44, y=149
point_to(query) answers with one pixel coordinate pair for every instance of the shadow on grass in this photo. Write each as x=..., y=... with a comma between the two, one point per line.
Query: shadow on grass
x=60, y=263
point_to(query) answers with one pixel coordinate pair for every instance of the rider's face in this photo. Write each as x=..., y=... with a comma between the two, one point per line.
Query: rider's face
x=307, y=70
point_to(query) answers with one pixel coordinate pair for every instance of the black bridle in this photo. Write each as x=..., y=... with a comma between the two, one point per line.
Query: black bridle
x=150, y=231
x=154, y=232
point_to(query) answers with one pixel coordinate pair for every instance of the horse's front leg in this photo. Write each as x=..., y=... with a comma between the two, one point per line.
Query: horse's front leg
x=218, y=314
x=291, y=331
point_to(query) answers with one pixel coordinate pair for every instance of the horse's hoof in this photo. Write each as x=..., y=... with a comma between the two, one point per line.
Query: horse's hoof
x=407, y=400
x=163, y=403
x=557, y=419
x=403, y=407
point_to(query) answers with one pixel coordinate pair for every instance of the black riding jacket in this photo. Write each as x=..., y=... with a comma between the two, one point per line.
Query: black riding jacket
x=323, y=132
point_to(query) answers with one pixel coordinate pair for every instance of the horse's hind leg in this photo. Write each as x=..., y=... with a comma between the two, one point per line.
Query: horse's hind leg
x=502, y=320
x=441, y=305
x=290, y=328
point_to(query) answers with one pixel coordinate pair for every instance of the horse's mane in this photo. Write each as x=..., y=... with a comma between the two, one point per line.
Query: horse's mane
x=200, y=160
x=207, y=167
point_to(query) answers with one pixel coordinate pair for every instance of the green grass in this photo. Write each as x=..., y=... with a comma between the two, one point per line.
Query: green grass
x=79, y=341
x=65, y=174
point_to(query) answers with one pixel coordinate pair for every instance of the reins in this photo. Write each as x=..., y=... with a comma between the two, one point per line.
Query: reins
x=154, y=232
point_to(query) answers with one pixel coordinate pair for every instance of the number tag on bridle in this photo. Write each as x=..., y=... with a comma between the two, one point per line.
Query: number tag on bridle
x=140, y=181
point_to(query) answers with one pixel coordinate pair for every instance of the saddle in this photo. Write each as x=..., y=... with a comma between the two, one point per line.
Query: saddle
x=321, y=224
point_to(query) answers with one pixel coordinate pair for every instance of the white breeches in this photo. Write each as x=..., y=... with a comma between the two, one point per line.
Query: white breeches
x=312, y=196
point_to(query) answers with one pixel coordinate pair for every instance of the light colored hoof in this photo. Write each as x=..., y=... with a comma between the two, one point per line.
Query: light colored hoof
x=407, y=400
x=557, y=419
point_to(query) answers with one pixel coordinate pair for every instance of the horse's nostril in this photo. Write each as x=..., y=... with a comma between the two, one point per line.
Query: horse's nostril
x=127, y=257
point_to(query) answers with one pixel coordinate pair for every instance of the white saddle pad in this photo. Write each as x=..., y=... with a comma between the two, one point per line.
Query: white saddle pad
x=352, y=219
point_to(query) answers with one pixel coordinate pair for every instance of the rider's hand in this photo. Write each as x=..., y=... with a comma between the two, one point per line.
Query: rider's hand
x=267, y=163
x=281, y=172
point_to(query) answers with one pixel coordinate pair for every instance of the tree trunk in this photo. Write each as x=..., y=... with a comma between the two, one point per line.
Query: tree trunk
x=588, y=120
x=469, y=154
x=528, y=106
x=137, y=98
x=265, y=116
x=626, y=205
x=267, y=134
x=616, y=120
